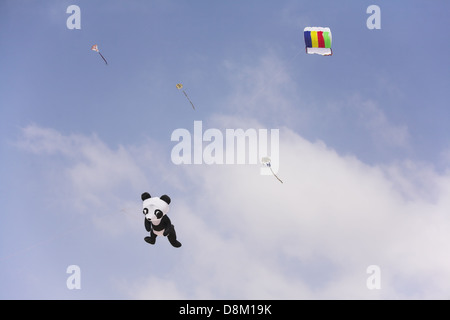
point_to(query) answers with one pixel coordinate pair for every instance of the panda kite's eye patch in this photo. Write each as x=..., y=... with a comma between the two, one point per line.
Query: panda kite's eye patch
x=158, y=214
x=145, y=211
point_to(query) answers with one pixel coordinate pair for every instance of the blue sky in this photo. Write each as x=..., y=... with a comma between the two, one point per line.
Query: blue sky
x=364, y=150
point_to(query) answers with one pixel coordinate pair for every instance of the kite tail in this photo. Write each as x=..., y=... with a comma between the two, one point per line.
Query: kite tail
x=189, y=99
x=103, y=57
x=275, y=175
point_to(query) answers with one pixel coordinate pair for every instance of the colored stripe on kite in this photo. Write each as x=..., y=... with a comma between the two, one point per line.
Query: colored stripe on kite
x=315, y=43
x=307, y=35
x=327, y=39
x=320, y=41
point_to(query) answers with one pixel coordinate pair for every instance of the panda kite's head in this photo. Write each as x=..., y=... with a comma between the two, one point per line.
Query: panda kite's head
x=154, y=208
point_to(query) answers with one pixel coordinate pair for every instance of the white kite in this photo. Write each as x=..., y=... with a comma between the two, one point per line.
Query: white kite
x=266, y=162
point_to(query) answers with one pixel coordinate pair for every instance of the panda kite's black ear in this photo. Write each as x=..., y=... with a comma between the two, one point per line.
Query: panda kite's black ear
x=145, y=196
x=165, y=198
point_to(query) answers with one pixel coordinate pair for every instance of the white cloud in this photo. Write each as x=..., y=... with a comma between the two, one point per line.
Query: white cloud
x=45, y=140
x=88, y=175
x=315, y=235
x=153, y=288
x=246, y=236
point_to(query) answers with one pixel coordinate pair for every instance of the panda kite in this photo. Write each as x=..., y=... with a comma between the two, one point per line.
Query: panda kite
x=156, y=220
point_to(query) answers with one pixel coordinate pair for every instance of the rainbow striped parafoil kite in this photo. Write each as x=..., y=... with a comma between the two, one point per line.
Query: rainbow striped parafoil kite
x=318, y=40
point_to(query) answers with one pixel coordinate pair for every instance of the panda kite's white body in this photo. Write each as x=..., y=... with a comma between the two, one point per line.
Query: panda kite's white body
x=156, y=220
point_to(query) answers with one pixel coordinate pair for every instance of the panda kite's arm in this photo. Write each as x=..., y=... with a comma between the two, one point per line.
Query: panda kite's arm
x=148, y=225
x=166, y=222
x=167, y=225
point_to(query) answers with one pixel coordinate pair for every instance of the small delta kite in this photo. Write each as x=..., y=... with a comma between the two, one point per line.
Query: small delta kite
x=179, y=87
x=95, y=48
x=318, y=41
x=266, y=162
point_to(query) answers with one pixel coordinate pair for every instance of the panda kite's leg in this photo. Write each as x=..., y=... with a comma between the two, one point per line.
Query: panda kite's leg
x=172, y=236
x=152, y=238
